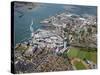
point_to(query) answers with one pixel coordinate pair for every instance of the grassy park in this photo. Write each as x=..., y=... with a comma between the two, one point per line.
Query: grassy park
x=79, y=65
x=83, y=53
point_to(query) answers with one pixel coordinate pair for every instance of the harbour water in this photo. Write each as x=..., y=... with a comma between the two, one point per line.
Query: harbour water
x=24, y=16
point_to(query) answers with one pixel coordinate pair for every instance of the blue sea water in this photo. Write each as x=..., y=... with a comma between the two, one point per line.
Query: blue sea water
x=42, y=11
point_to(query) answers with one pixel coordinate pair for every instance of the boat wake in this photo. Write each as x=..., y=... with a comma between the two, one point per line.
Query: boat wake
x=31, y=28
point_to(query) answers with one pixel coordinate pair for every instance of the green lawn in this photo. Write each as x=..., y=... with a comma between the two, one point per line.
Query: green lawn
x=73, y=52
x=76, y=52
x=79, y=65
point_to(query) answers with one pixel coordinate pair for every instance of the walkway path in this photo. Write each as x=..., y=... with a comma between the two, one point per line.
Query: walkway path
x=79, y=60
